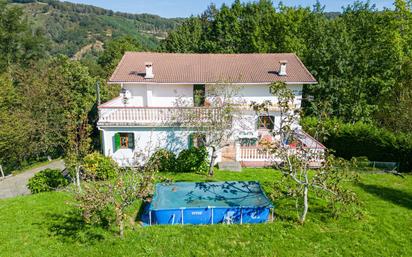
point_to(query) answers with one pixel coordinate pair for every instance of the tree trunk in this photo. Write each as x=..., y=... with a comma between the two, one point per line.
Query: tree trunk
x=121, y=228
x=305, y=204
x=78, y=178
x=119, y=220
x=212, y=161
x=2, y=173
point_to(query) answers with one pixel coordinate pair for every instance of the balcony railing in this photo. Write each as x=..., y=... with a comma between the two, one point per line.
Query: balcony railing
x=257, y=154
x=156, y=115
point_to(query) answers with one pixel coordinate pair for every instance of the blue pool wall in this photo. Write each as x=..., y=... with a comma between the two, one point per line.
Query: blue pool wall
x=209, y=215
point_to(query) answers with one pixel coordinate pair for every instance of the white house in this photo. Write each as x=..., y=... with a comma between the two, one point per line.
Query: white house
x=153, y=85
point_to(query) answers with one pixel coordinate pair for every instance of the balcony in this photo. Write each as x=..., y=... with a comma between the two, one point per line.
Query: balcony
x=155, y=116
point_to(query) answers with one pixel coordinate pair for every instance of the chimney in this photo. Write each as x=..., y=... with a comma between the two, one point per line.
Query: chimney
x=149, y=70
x=283, y=66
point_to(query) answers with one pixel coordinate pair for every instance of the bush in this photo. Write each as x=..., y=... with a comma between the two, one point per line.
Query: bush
x=361, y=139
x=163, y=160
x=47, y=180
x=193, y=160
x=99, y=167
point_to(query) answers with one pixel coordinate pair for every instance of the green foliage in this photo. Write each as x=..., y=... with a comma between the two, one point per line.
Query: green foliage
x=163, y=160
x=100, y=201
x=361, y=139
x=356, y=56
x=99, y=167
x=14, y=130
x=39, y=105
x=114, y=51
x=19, y=44
x=47, y=180
x=70, y=27
x=192, y=160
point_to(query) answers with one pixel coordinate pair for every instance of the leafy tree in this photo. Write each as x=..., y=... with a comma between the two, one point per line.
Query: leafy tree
x=13, y=126
x=100, y=200
x=326, y=181
x=114, y=51
x=79, y=98
x=356, y=56
x=214, y=127
x=17, y=42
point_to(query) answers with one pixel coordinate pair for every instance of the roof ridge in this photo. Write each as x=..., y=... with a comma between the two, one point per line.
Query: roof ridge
x=143, y=52
x=210, y=68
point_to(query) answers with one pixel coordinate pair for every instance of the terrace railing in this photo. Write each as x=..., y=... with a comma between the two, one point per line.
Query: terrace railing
x=156, y=115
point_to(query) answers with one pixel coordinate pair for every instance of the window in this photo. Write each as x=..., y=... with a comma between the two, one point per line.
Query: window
x=248, y=141
x=266, y=122
x=124, y=141
x=199, y=95
x=197, y=140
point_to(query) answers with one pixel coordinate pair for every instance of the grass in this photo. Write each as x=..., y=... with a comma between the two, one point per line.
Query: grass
x=44, y=225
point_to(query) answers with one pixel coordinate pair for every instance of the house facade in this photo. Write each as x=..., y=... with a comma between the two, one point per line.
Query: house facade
x=160, y=90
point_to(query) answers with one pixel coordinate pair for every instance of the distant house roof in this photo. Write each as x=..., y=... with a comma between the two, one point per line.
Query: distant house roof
x=210, y=68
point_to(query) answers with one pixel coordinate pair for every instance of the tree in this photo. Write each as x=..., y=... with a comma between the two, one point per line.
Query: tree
x=213, y=125
x=356, y=56
x=77, y=89
x=13, y=126
x=114, y=51
x=18, y=43
x=325, y=181
x=78, y=144
x=116, y=195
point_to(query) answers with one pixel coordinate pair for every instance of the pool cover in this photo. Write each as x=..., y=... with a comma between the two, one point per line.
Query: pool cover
x=209, y=203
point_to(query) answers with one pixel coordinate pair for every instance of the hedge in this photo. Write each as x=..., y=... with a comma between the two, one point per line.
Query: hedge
x=361, y=139
x=47, y=180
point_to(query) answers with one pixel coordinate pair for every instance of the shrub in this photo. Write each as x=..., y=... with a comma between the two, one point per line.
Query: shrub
x=99, y=167
x=362, y=139
x=193, y=160
x=47, y=180
x=163, y=160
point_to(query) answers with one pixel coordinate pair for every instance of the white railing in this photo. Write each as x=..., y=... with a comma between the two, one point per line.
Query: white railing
x=156, y=114
x=257, y=154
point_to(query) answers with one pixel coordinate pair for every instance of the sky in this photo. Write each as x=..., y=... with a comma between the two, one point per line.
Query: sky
x=185, y=8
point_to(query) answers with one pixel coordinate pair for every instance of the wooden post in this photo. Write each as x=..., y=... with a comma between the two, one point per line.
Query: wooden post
x=2, y=173
x=237, y=152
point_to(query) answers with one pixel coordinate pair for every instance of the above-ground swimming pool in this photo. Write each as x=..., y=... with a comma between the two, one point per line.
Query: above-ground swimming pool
x=231, y=202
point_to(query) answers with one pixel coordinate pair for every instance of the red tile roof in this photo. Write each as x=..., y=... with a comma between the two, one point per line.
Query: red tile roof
x=210, y=68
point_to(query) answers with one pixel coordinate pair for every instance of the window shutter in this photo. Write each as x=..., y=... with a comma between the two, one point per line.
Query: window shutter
x=131, y=140
x=191, y=140
x=116, y=142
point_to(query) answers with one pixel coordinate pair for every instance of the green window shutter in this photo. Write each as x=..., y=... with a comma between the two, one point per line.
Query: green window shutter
x=116, y=142
x=191, y=140
x=131, y=140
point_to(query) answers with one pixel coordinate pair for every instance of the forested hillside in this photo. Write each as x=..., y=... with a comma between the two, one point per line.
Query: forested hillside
x=74, y=27
x=48, y=103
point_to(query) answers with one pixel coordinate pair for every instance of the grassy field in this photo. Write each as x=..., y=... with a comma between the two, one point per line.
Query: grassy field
x=45, y=225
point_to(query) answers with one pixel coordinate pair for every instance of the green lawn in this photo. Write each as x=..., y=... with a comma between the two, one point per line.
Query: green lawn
x=43, y=225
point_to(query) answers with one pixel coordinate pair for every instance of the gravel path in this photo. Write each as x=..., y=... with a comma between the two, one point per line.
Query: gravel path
x=16, y=185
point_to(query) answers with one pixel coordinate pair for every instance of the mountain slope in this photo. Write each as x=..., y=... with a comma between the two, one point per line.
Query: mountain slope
x=71, y=27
